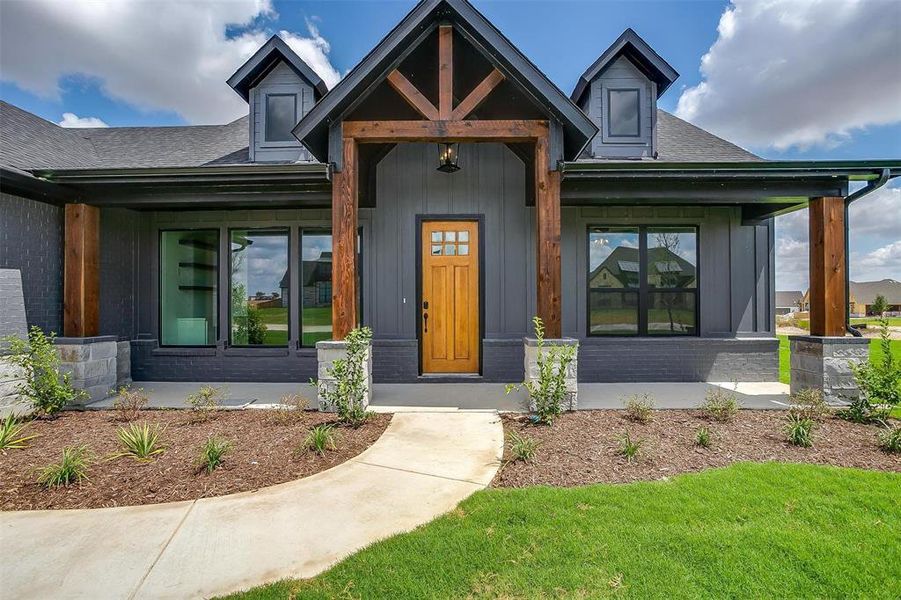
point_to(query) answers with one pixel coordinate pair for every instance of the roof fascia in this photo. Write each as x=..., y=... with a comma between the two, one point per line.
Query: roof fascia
x=259, y=65
x=852, y=170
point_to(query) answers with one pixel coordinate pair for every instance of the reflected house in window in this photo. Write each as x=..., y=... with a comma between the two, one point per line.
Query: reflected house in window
x=317, y=281
x=621, y=269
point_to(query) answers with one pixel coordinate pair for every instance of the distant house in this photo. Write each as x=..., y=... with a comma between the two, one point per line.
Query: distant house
x=863, y=295
x=788, y=302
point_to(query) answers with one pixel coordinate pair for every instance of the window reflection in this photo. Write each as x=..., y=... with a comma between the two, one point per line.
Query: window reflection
x=259, y=287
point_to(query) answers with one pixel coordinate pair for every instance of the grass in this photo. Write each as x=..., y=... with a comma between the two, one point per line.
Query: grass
x=746, y=531
x=875, y=355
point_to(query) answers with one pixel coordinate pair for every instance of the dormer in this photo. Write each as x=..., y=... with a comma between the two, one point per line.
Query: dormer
x=619, y=93
x=280, y=89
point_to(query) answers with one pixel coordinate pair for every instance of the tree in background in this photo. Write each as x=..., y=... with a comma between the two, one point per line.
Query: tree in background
x=879, y=306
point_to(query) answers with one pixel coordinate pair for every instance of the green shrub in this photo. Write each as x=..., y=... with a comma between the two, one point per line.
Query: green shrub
x=140, y=441
x=522, y=448
x=629, y=448
x=720, y=405
x=212, y=452
x=879, y=384
x=347, y=392
x=205, y=400
x=799, y=430
x=890, y=440
x=11, y=437
x=289, y=410
x=72, y=468
x=321, y=438
x=640, y=408
x=703, y=437
x=548, y=392
x=809, y=404
x=129, y=402
x=46, y=388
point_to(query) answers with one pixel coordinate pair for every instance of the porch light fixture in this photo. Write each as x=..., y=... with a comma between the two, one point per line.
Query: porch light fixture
x=447, y=157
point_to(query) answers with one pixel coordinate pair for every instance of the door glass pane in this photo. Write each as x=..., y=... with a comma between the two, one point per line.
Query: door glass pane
x=672, y=257
x=623, y=117
x=450, y=236
x=436, y=250
x=316, y=287
x=463, y=236
x=189, y=266
x=671, y=313
x=463, y=249
x=449, y=250
x=612, y=313
x=436, y=236
x=259, y=287
x=280, y=117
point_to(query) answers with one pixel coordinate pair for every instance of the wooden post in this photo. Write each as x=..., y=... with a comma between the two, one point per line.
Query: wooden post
x=445, y=72
x=344, y=243
x=547, y=223
x=827, y=266
x=81, y=278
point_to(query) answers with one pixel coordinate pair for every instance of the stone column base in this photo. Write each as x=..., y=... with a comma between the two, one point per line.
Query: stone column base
x=327, y=352
x=572, y=372
x=11, y=377
x=91, y=362
x=123, y=363
x=824, y=363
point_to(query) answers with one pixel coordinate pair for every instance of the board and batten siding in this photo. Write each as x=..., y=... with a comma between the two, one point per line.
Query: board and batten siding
x=280, y=80
x=623, y=74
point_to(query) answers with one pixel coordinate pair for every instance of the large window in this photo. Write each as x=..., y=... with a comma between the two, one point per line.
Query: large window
x=623, y=110
x=259, y=287
x=642, y=281
x=281, y=117
x=189, y=263
x=316, y=285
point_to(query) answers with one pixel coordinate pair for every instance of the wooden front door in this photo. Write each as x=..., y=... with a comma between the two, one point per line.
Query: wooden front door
x=450, y=297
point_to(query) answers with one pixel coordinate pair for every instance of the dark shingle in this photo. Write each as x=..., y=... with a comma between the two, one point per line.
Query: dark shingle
x=680, y=141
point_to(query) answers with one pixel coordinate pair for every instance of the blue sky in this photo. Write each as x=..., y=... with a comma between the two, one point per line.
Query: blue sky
x=787, y=68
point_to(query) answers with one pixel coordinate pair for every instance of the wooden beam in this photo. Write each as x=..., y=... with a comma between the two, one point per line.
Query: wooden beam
x=344, y=243
x=477, y=95
x=81, y=271
x=827, y=266
x=435, y=131
x=445, y=71
x=547, y=225
x=412, y=95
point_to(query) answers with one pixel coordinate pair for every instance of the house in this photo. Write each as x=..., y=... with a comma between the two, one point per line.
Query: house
x=863, y=294
x=788, y=302
x=450, y=191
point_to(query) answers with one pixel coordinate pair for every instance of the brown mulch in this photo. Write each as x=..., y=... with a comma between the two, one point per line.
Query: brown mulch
x=263, y=453
x=582, y=447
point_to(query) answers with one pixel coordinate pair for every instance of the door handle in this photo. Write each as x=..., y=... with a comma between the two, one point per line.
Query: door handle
x=425, y=322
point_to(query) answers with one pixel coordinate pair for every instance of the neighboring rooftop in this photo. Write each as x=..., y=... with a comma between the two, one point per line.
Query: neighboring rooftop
x=792, y=298
x=865, y=292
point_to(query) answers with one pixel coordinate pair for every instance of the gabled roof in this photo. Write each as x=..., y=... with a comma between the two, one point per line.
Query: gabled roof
x=865, y=292
x=313, y=128
x=789, y=298
x=622, y=264
x=630, y=45
x=264, y=60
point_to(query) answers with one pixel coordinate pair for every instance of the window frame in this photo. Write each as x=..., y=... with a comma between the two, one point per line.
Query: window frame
x=644, y=290
x=266, y=142
x=160, y=273
x=228, y=238
x=608, y=134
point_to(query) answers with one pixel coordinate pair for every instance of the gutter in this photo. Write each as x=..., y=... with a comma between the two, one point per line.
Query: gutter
x=872, y=186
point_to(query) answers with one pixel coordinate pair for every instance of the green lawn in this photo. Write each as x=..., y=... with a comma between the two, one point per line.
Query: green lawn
x=746, y=531
x=871, y=321
x=274, y=316
x=875, y=355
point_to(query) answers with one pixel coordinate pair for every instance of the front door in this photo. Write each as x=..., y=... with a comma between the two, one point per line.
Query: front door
x=450, y=297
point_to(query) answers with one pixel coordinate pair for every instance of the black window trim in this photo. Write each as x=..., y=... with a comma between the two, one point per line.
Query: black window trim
x=160, y=274
x=643, y=290
x=265, y=112
x=609, y=128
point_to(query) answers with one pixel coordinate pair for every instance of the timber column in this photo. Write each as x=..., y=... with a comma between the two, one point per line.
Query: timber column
x=344, y=243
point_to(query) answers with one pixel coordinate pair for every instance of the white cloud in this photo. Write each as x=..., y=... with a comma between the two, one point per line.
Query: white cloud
x=160, y=55
x=881, y=263
x=73, y=120
x=786, y=73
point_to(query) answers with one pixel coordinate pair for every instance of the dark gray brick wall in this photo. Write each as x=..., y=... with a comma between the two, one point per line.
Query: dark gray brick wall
x=395, y=361
x=118, y=271
x=31, y=240
x=502, y=361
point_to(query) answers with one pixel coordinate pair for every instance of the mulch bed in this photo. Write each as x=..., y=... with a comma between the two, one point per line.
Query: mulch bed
x=263, y=453
x=582, y=447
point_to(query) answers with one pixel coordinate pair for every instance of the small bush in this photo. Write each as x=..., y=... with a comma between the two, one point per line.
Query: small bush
x=522, y=448
x=879, y=382
x=289, y=410
x=72, y=468
x=629, y=448
x=129, y=402
x=809, y=404
x=799, y=430
x=211, y=453
x=703, y=437
x=890, y=440
x=11, y=437
x=860, y=411
x=321, y=438
x=140, y=441
x=43, y=384
x=640, y=408
x=720, y=405
x=347, y=392
x=205, y=400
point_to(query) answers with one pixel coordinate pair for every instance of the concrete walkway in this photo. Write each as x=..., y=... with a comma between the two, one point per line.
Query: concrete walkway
x=422, y=466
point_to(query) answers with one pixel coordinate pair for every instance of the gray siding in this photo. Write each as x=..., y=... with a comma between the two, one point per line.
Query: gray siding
x=623, y=74
x=281, y=80
x=31, y=240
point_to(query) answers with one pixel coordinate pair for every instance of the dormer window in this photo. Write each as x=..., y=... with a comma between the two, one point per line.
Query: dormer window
x=281, y=117
x=623, y=112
